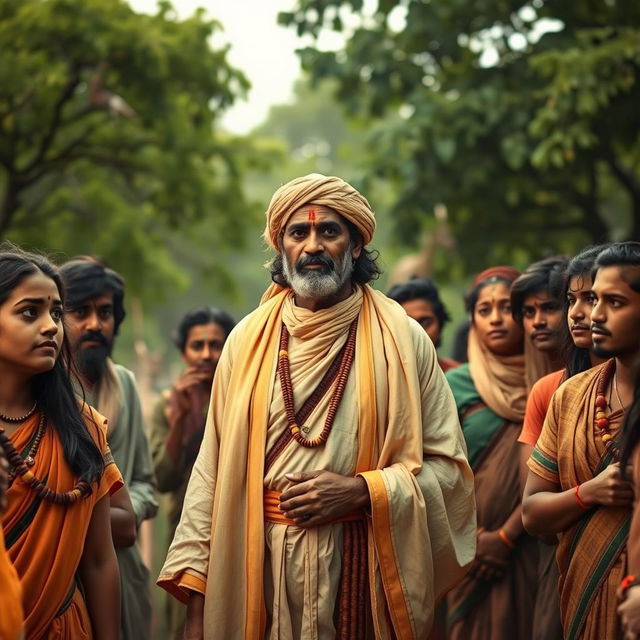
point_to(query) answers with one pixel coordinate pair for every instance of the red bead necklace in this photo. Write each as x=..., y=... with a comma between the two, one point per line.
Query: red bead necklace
x=284, y=373
x=602, y=423
x=21, y=468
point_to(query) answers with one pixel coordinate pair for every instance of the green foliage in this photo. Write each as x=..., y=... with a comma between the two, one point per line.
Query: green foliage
x=521, y=117
x=108, y=138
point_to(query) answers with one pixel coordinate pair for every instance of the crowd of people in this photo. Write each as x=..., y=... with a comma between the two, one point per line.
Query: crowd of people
x=328, y=473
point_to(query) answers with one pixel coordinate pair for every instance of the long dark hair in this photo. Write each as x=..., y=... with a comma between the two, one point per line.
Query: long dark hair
x=577, y=360
x=53, y=389
x=631, y=427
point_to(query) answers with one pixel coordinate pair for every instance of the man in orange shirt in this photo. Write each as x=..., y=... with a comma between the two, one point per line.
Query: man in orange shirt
x=536, y=304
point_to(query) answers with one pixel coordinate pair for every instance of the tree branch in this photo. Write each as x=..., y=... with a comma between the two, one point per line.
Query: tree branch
x=65, y=96
x=625, y=177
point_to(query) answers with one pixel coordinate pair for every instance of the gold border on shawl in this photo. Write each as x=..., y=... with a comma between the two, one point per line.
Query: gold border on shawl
x=385, y=552
x=256, y=615
x=366, y=387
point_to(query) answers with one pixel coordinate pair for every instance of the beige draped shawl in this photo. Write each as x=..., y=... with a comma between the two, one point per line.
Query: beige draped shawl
x=401, y=434
x=500, y=380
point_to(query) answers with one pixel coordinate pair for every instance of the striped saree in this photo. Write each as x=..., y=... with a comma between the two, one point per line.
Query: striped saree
x=592, y=552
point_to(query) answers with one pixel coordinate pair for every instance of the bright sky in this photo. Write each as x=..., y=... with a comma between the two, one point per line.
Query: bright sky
x=261, y=48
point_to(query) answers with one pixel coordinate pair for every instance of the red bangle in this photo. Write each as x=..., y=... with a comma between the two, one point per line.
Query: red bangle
x=626, y=584
x=505, y=538
x=581, y=502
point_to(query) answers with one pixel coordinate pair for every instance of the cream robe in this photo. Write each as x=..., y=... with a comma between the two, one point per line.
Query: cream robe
x=422, y=529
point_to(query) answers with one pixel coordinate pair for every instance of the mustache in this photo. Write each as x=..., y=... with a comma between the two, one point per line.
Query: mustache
x=319, y=260
x=600, y=329
x=95, y=336
x=541, y=332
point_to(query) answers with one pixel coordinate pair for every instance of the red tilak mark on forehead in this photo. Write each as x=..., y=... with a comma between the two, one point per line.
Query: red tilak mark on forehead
x=312, y=216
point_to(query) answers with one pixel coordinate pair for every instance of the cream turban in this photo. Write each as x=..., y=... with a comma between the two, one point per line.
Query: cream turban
x=317, y=189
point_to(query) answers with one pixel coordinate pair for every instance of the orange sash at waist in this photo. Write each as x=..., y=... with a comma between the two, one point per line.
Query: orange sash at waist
x=272, y=513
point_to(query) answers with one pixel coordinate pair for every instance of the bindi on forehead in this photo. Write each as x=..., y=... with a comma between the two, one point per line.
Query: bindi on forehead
x=493, y=293
x=311, y=216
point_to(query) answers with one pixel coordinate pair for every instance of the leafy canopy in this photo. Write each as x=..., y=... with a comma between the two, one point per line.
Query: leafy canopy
x=108, y=137
x=522, y=117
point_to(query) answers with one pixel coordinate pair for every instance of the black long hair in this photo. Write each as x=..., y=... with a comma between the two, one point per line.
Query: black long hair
x=53, y=389
x=577, y=360
x=631, y=427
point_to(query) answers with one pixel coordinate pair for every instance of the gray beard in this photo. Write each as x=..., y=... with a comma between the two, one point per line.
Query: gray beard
x=316, y=283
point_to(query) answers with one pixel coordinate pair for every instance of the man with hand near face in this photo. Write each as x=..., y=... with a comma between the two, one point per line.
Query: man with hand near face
x=177, y=424
x=93, y=314
x=574, y=487
x=331, y=497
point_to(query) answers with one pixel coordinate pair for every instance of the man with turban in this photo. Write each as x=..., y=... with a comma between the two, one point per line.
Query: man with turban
x=331, y=497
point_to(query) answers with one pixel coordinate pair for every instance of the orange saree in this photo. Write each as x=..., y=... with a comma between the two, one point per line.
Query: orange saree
x=45, y=541
x=11, y=610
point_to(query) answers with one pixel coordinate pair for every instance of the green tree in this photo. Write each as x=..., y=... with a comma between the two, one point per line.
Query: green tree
x=521, y=116
x=108, y=136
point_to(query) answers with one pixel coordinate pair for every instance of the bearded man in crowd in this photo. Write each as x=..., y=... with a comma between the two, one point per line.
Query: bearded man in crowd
x=331, y=496
x=94, y=312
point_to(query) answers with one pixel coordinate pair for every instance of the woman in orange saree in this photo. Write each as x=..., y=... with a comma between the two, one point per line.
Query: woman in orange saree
x=56, y=526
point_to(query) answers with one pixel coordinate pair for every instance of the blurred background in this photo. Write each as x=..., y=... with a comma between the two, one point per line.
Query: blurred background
x=153, y=135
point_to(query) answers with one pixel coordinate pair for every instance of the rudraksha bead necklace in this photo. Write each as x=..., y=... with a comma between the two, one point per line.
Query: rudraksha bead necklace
x=82, y=488
x=28, y=454
x=602, y=423
x=284, y=373
x=26, y=416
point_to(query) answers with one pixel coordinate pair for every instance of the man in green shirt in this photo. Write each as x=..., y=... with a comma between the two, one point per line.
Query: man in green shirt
x=94, y=312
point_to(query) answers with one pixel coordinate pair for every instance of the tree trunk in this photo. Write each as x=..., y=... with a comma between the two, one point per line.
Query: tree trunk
x=10, y=204
x=635, y=221
x=593, y=222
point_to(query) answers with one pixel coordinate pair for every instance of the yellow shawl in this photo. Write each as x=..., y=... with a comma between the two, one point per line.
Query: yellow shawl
x=407, y=466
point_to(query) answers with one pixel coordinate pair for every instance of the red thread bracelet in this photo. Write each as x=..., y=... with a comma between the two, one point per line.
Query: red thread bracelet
x=581, y=502
x=626, y=584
